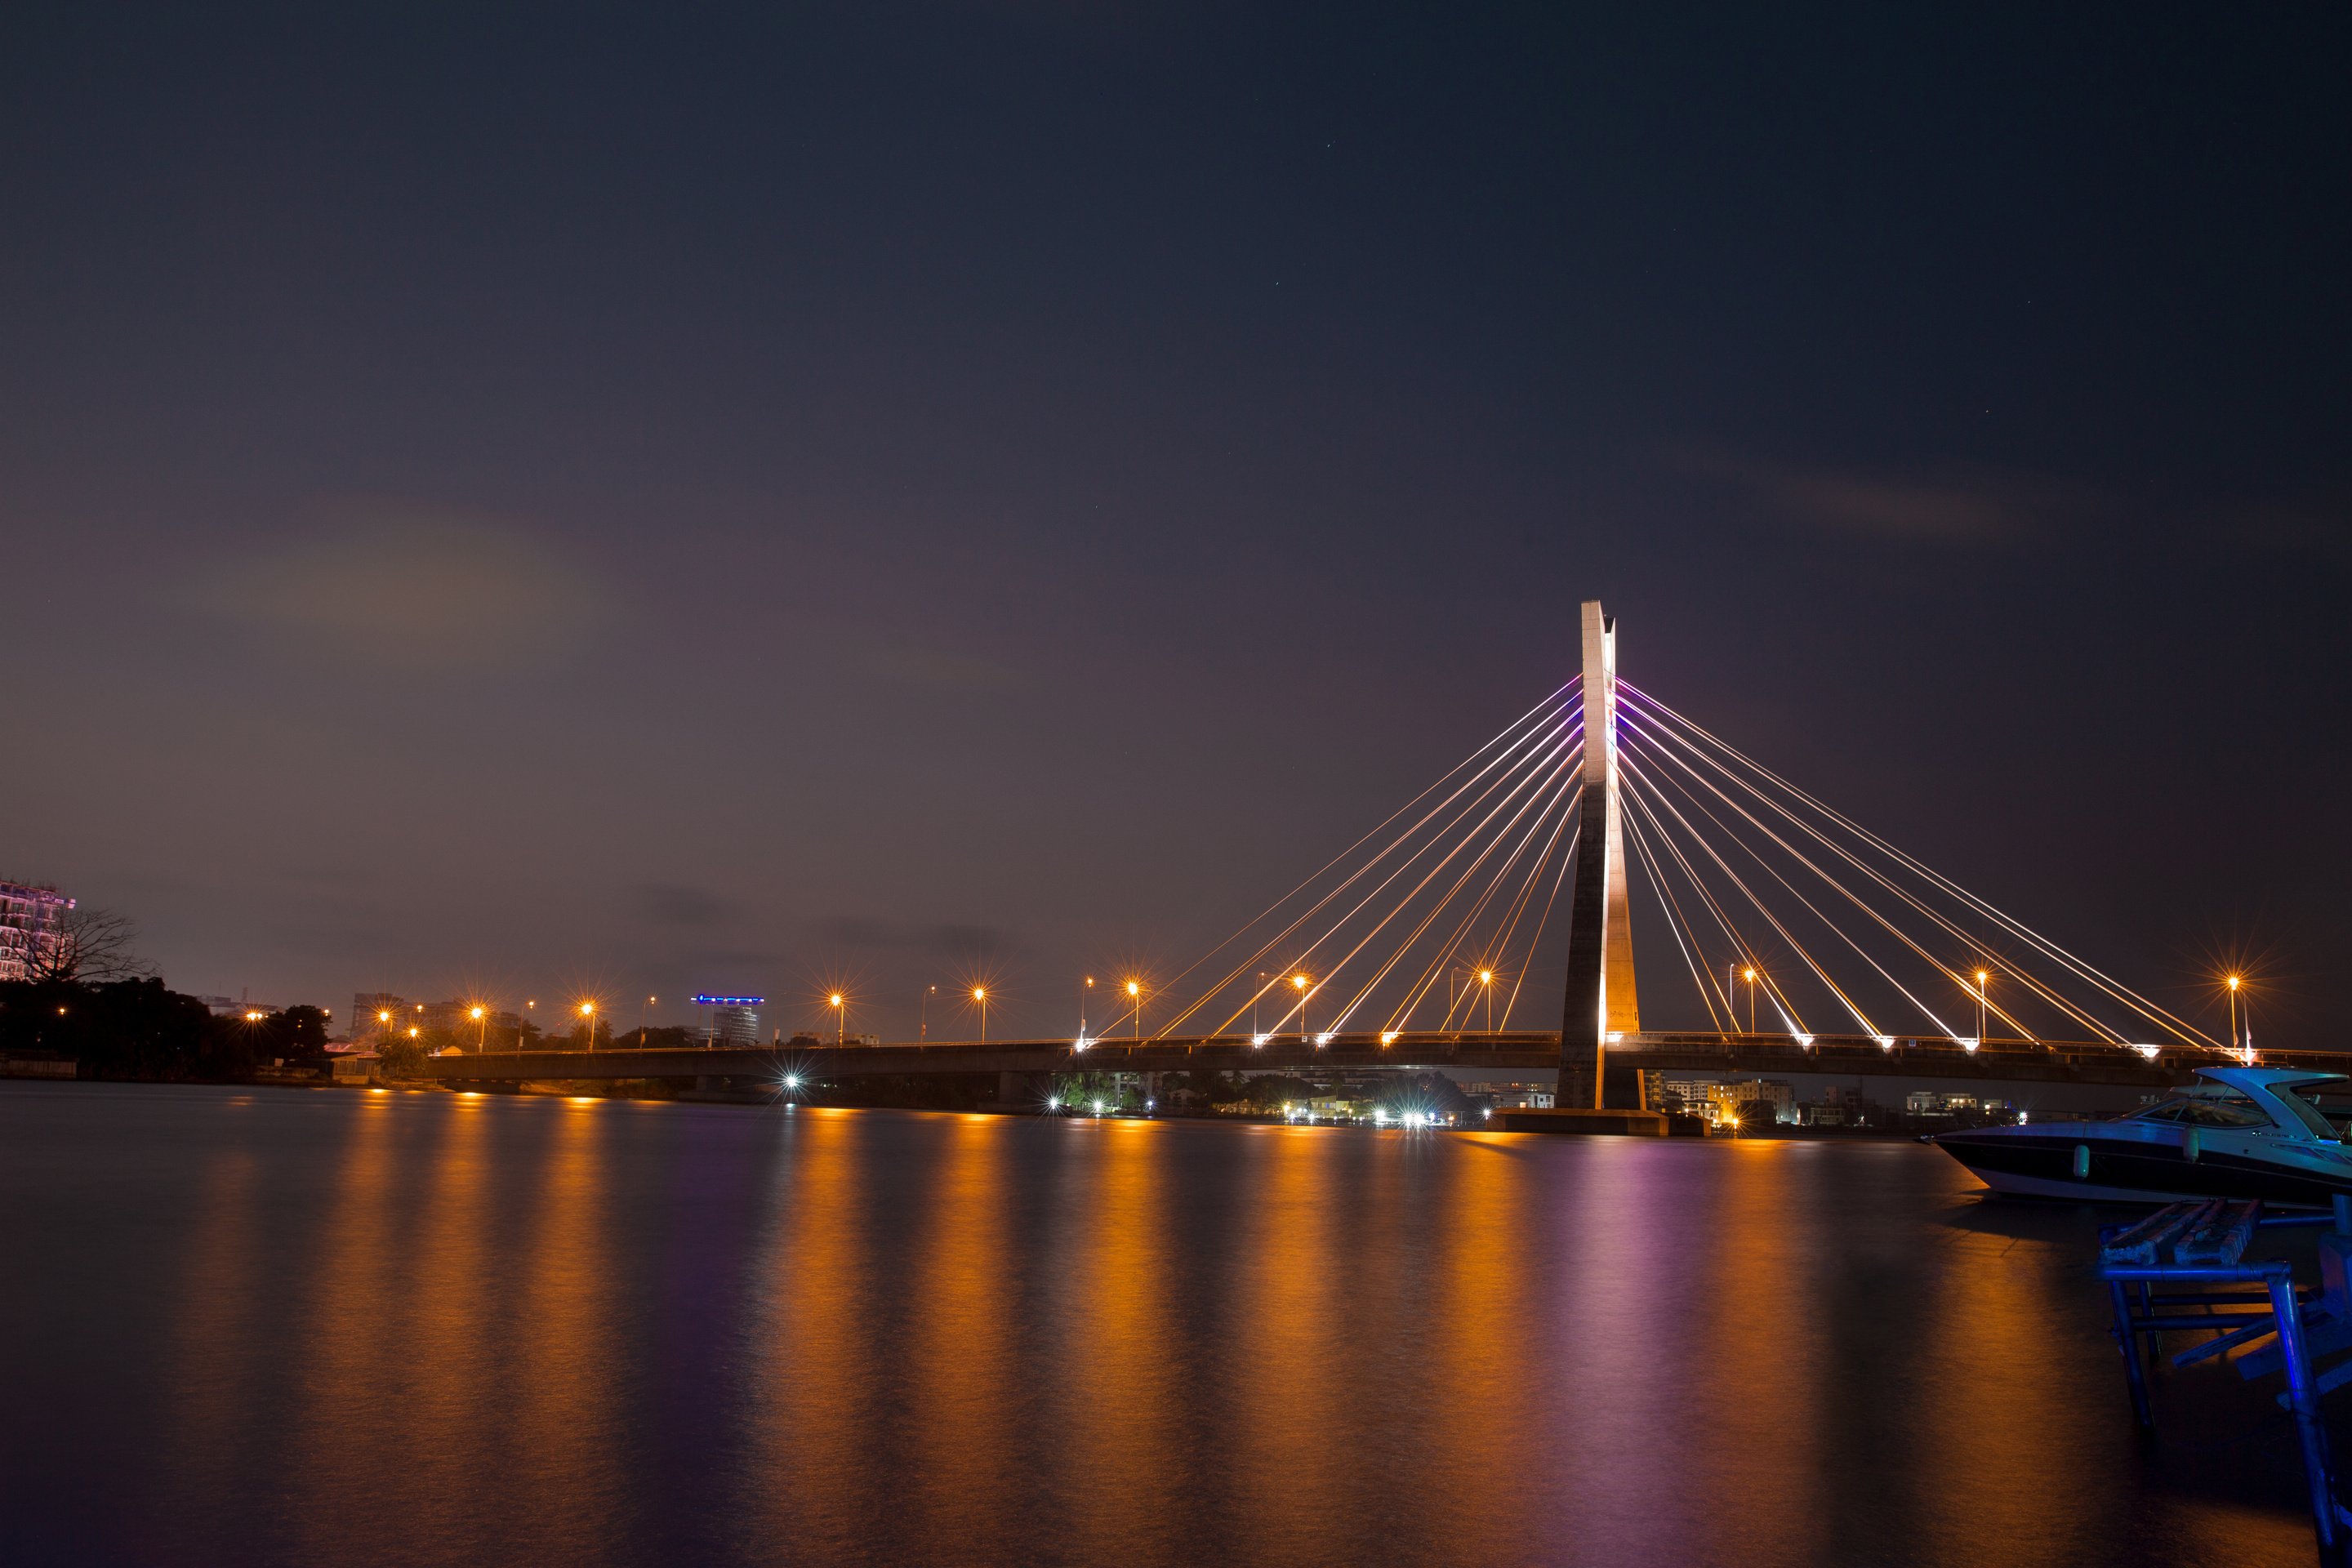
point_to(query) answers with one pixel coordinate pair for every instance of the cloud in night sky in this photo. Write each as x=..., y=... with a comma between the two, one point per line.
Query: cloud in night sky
x=1959, y=509
x=410, y=587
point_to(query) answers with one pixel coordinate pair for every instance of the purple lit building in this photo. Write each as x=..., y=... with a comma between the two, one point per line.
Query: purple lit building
x=30, y=920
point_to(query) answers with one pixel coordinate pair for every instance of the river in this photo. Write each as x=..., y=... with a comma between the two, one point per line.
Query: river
x=280, y=1326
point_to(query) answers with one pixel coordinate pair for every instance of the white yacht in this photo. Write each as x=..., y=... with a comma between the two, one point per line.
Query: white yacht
x=2246, y=1132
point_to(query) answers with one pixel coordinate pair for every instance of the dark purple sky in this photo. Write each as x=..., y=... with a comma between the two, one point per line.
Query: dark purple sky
x=534, y=501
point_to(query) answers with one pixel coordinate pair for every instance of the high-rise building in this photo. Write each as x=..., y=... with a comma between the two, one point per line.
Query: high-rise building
x=30, y=919
x=734, y=1020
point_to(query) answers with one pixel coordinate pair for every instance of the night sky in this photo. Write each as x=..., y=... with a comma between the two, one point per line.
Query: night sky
x=664, y=500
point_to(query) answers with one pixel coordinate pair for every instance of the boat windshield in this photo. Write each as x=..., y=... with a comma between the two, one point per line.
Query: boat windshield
x=2308, y=1113
x=2228, y=1110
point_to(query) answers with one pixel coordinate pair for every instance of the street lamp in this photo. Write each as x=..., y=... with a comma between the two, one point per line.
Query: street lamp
x=2233, y=1012
x=481, y=1015
x=1298, y=984
x=588, y=1015
x=1749, y=973
x=1135, y=996
x=1083, y=992
x=980, y=994
x=1983, y=975
x=1487, y=979
x=923, y=1012
x=840, y=1019
x=641, y=1021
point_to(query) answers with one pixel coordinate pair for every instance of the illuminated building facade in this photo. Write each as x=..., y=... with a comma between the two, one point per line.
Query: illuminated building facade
x=734, y=1020
x=30, y=919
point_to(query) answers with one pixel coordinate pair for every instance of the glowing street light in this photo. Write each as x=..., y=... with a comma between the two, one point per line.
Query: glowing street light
x=481, y=1015
x=840, y=1005
x=1487, y=979
x=980, y=994
x=1983, y=977
x=923, y=1012
x=2233, y=982
x=1135, y=998
x=1298, y=984
x=1749, y=975
x=588, y=1015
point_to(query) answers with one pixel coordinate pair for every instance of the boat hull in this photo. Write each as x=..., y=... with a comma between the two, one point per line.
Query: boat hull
x=2127, y=1169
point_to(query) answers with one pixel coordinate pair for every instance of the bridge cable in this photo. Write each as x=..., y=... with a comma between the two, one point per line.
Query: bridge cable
x=2080, y=967
x=1563, y=758
x=1675, y=923
x=1781, y=999
x=1566, y=761
x=1535, y=942
x=2032, y=983
x=1551, y=706
x=1774, y=872
x=1527, y=769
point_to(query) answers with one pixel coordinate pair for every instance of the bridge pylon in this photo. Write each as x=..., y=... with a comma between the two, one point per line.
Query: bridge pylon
x=1600, y=998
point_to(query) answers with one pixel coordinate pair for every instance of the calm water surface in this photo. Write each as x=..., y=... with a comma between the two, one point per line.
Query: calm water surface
x=334, y=1326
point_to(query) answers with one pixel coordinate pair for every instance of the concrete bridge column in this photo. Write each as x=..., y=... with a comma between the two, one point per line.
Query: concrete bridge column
x=1601, y=1000
x=1023, y=1091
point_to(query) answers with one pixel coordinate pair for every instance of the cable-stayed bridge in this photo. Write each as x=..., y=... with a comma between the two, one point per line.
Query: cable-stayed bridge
x=1790, y=937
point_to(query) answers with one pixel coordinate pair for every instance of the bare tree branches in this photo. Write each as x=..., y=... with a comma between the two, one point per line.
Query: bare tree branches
x=87, y=947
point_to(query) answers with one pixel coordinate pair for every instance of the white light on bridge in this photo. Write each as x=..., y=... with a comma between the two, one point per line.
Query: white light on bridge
x=2150, y=1052
x=1259, y=1040
x=1389, y=1038
x=1967, y=1043
x=1886, y=1042
x=1804, y=1040
x=1322, y=1041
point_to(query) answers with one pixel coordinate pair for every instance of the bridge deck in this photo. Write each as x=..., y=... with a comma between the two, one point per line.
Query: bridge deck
x=2083, y=1062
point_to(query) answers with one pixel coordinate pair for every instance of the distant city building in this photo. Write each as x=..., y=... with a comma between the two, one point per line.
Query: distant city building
x=30, y=919
x=1737, y=1100
x=367, y=1010
x=457, y=1020
x=447, y=1017
x=236, y=1006
x=1928, y=1102
x=734, y=1020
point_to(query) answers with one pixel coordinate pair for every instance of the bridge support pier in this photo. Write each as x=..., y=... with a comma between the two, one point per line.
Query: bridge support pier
x=1601, y=1000
x=1023, y=1091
